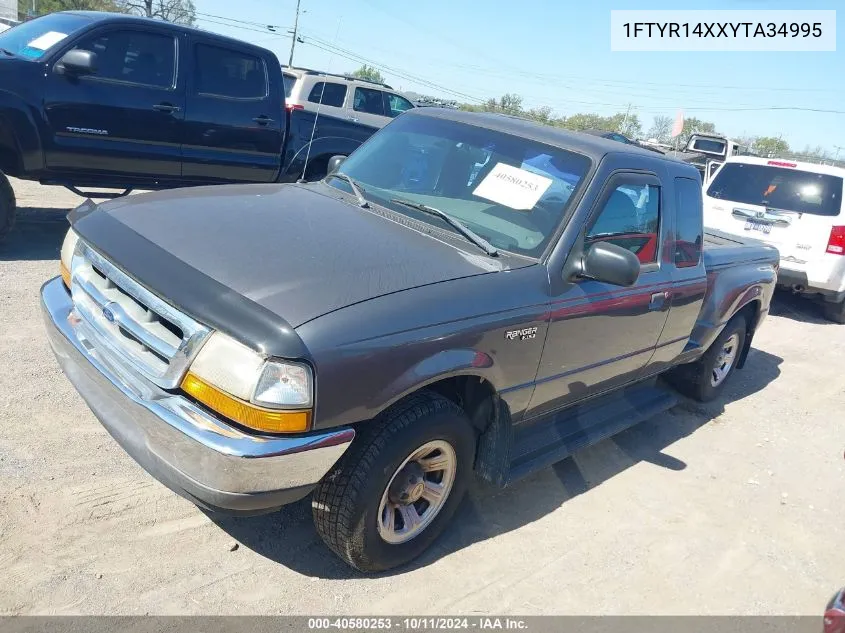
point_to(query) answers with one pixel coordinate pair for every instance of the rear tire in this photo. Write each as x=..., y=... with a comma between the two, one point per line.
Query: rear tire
x=8, y=206
x=835, y=311
x=705, y=379
x=357, y=508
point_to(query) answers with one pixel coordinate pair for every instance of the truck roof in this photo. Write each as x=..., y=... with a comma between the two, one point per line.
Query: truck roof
x=117, y=18
x=788, y=162
x=592, y=146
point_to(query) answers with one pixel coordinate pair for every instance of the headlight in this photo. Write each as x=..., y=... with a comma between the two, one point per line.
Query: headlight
x=267, y=395
x=68, y=247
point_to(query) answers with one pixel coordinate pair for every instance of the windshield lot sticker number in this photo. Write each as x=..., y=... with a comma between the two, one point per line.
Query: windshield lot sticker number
x=47, y=40
x=513, y=187
x=525, y=334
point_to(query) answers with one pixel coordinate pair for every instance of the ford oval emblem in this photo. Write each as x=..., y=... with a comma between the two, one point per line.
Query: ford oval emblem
x=108, y=315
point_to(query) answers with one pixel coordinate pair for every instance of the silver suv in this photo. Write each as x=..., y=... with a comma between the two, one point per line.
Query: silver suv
x=350, y=98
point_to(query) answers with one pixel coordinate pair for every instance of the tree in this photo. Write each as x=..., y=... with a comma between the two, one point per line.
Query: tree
x=369, y=73
x=178, y=11
x=52, y=6
x=580, y=122
x=695, y=126
x=661, y=129
x=625, y=123
x=770, y=145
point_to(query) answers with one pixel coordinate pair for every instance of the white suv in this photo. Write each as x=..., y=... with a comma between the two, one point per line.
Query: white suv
x=796, y=207
x=357, y=100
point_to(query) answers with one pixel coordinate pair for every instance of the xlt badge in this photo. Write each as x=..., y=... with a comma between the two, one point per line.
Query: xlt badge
x=523, y=335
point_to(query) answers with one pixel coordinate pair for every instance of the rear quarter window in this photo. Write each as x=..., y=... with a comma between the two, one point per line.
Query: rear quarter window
x=328, y=94
x=781, y=188
x=688, y=225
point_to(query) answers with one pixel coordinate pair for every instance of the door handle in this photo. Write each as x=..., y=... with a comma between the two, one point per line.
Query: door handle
x=263, y=120
x=657, y=300
x=166, y=107
x=353, y=119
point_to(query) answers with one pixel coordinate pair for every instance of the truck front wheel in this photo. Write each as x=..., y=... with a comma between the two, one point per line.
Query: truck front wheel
x=397, y=487
x=704, y=379
x=8, y=207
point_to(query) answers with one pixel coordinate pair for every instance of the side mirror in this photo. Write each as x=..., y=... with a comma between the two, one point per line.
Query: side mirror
x=78, y=62
x=335, y=162
x=611, y=264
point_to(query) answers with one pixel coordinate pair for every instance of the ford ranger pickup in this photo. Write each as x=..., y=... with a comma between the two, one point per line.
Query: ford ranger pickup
x=464, y=295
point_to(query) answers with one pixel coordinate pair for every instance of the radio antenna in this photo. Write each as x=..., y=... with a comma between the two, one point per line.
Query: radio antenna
x=320, y=103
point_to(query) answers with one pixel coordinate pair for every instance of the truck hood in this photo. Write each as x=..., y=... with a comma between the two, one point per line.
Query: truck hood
x=298, y=251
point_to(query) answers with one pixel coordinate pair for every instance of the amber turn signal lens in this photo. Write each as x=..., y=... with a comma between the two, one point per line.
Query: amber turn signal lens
x=65, y=274
x=245, y=413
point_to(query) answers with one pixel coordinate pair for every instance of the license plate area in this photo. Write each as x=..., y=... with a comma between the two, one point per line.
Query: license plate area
x=757, y=225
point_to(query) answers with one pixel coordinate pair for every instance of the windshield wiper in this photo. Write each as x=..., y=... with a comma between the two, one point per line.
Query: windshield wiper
x=8, y=52
x=453, y=222
x=356, y=189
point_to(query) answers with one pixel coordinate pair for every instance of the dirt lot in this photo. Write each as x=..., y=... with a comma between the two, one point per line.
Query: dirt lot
x=734, y=507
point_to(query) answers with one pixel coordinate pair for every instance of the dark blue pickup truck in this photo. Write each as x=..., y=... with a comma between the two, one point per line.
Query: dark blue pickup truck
x=115, y=101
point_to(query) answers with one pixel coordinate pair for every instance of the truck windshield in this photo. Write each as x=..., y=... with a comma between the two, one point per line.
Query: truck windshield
x=509, y=190
x=779, y=188
x=33, y=39
x=708, y=145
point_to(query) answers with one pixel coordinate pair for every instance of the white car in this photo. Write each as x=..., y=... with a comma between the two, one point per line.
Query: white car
x=357, y=100
x=794, y=206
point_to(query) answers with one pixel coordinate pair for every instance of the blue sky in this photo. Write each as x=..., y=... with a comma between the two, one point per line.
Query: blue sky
x=555, y=54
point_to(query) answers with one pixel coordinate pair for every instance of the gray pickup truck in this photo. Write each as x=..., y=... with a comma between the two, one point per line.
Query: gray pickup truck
x=465, y=295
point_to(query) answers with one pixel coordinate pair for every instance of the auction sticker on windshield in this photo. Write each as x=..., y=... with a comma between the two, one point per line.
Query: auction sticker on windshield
x=513, y=187
x=47, y=40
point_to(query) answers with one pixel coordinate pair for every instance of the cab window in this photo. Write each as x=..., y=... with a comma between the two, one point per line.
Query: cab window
x=133, y=57
x=630, y=218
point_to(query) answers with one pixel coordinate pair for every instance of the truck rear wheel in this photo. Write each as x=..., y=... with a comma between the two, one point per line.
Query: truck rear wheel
x=8, y=207
x=397, y=487
x=835, y=311
x=704, y=379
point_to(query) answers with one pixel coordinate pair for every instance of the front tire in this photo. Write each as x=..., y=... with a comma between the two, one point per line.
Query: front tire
x=8, y=206
x=399, y=484
x=705, y=379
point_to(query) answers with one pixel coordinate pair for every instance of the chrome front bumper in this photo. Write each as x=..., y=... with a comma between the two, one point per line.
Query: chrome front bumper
x=189, y=450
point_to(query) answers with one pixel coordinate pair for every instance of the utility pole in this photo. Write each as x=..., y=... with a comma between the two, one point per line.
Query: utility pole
x=295, y=29
x=838, y=149
x=624, y=129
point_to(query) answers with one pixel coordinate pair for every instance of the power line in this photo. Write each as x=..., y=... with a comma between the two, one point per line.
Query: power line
x=353, y=56
x=322, y=44
x=420, y=25
x=269, y=27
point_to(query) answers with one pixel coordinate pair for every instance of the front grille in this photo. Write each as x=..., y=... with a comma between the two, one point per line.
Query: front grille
x=157, y=339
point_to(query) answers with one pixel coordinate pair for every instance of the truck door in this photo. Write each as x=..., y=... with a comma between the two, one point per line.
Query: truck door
x=234, y=125
x=684, y=258
x=124, y=118
x=601, y=336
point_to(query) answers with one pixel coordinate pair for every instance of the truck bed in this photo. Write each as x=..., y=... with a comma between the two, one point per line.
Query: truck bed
x=722, y=249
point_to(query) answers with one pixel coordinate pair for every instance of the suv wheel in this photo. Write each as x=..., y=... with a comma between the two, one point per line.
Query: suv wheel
x=704, y=379
x=8, y=207
x=397, y=487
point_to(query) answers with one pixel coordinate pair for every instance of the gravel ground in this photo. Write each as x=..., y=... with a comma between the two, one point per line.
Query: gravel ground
x=735, y=507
